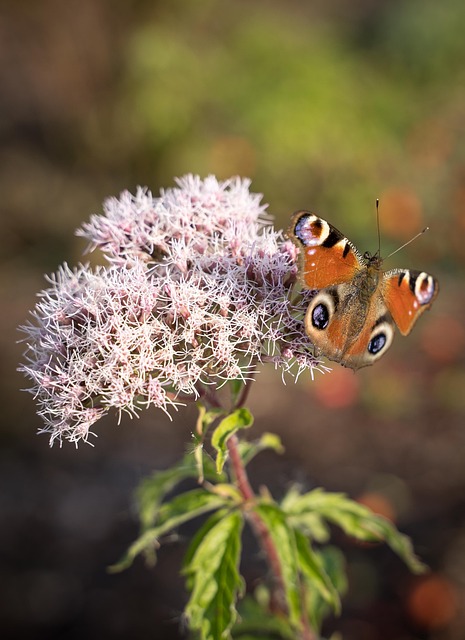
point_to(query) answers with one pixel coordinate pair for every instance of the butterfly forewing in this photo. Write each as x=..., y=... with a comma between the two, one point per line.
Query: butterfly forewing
x=327, y=257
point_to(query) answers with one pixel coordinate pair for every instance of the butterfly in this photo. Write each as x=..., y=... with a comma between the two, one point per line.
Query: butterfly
x=352, y=317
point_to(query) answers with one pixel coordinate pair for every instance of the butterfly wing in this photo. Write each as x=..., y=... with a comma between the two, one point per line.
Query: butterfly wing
x=346, y=329
x=407, y=295
x=327, y=256
x=374, y=339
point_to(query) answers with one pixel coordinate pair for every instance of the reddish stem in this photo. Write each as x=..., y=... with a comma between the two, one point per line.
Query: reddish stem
x=262, y=532
x=259, y=527
x=240, y=473
x=278, y=603
x=244, y=394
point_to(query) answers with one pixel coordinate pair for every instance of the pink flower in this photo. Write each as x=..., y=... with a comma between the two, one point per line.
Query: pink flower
x=197, y=292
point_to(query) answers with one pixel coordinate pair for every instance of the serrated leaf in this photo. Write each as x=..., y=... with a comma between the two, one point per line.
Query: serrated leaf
x=239, y=419
x=284, y=543
x=201, y=534
x=312, y=567
x=358, y=521
x=181, y=509
x=310, y=523
x=153, y=489
x=213, y=572
x=333, y=562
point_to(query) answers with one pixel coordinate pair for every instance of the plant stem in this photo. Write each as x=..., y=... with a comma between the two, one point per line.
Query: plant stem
x=278, y=603
x=209, y=395
x=240, y=473
x=259, y=527
x=244, y=394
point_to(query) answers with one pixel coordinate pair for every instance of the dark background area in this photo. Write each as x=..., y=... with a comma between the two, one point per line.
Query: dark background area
x=326, y=106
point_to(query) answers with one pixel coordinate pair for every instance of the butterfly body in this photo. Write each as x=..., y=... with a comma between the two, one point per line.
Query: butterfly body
x=352, y=318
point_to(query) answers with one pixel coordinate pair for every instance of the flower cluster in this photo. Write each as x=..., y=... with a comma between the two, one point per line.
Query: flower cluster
x=197, y=292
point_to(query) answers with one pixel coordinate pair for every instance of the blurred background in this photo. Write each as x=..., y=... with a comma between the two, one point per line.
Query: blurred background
x=325, y=106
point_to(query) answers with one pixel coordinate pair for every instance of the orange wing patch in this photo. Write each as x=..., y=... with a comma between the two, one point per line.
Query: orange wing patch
x=407, y=295
x=327, y=256
x=323, y=266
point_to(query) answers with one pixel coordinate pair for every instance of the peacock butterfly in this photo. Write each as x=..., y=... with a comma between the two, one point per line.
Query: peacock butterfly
x=353, y=316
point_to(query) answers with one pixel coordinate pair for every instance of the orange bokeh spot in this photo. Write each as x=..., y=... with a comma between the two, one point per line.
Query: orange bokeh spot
x=400, y=212
x=432, y=602
x=379, y=504
x=339, y=389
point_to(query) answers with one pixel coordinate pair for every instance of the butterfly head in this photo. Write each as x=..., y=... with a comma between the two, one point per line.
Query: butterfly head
x=373, y=260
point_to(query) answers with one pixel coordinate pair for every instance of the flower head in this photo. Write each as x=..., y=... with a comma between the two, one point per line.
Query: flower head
x=197, y=292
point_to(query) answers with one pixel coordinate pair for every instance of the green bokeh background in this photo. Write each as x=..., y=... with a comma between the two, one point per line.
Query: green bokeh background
x=325, y=106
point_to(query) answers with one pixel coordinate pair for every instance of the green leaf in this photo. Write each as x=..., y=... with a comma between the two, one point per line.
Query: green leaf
x=204, y=420
x=227, y=490
x=239, y=419
x=257, y=621
x=201, y=534
x=153, y=489
x=284, y=544
x=236, y=385
x=213, y=573
x=310, y=523
x=248, y=450
x=333, y=562
x=358, y=521
x=181, y=509
x=312, y=567
x=199, y=458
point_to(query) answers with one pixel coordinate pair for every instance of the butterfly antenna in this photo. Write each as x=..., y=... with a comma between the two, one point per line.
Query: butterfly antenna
x=408, y=242
x=377, y=226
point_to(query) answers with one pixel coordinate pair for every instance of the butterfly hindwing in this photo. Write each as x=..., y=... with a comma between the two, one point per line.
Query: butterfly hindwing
x=407, y=295
x=346, y=330
x=374, y=339
x=327, y=256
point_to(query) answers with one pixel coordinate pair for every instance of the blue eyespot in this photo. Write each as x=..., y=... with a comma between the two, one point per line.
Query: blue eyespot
x=377, y=343
x=320, y=317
